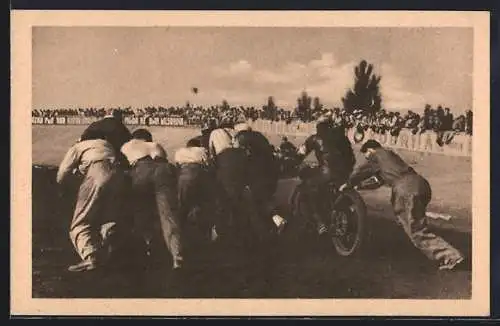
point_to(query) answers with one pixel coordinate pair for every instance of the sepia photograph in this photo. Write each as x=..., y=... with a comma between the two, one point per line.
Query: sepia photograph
x=252, y=156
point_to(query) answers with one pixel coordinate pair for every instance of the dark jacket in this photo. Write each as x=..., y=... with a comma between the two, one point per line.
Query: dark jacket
x=332, y=149
x=114, y=131
x=384, y=163
x=262, y=168
x=288, y=149
x=203, y=140
x=255, y=144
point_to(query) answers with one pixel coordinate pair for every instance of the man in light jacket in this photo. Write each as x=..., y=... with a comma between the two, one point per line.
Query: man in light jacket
x=100, y=198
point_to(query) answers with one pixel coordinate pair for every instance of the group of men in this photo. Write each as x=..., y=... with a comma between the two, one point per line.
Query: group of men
x=123, y=176
x=128, y=184
x=224, y=178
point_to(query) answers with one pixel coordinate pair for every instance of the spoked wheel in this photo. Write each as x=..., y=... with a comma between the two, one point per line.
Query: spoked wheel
x=347, y=223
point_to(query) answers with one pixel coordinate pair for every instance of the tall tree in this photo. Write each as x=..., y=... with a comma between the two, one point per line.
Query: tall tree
x=317, y=106
x=225, y=105
x=270, y=109
x=270, y=102
x=304, y=106
x=365, y=94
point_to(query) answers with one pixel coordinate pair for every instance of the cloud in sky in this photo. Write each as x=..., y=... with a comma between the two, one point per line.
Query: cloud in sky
x=239, y=68
x=397, y=95
x=323, y=77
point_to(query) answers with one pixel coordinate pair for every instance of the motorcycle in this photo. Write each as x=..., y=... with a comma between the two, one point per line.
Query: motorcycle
x=346, y=211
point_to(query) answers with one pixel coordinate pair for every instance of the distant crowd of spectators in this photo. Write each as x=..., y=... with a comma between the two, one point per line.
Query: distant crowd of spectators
x=438, y=119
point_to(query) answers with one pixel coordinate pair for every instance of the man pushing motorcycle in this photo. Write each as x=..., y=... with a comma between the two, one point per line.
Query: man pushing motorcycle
x=411, y=193
x=263, y=169
x=336, y=161
x=237, y=205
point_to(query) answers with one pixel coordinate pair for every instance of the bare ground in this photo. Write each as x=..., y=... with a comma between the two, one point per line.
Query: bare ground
x=389, y=267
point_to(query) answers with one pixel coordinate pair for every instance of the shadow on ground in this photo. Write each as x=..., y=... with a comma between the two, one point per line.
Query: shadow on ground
x=388, y=267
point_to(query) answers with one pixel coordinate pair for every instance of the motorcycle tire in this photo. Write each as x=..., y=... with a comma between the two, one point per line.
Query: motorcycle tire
x=349, y=207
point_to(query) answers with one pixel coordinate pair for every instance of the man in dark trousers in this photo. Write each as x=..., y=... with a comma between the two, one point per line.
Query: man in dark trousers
x=262, y=168
x=154, y=191
x=411, y=193
x=113, y=129
x=236, y=205
x=193, y=181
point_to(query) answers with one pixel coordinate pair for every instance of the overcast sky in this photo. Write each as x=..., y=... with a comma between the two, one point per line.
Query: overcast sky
x=139, y=66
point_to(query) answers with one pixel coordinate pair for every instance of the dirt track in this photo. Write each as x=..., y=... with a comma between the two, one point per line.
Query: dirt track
x=450, y=177
x=388, y=268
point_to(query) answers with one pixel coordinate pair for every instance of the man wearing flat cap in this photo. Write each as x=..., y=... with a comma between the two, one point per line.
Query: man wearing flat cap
x=411, y=193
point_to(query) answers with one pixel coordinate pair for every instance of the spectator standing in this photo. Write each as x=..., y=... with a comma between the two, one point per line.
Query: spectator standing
x=468, y=122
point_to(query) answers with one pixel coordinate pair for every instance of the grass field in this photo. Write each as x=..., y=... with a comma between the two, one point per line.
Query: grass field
x=450, y=177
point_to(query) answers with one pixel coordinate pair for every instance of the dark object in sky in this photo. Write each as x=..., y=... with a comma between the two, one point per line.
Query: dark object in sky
x=194, y=90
